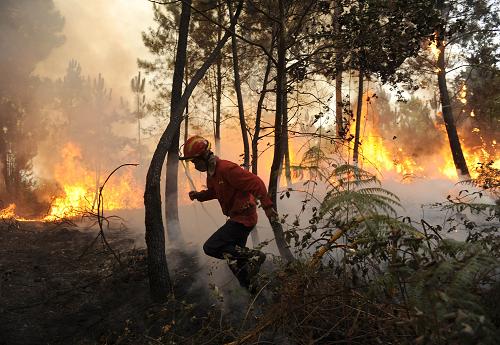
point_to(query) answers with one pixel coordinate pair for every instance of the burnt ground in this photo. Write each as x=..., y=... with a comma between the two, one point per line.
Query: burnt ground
x=50, y=294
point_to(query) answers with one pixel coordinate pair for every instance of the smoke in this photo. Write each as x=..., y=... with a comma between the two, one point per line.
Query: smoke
x=65, y=66
x=104, y=37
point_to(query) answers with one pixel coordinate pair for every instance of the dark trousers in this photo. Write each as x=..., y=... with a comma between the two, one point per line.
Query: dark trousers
x=229, y=243
x=226, y=240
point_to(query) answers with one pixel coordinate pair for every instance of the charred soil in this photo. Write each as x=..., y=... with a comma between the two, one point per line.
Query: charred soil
x=51, y=294
x=58, y=286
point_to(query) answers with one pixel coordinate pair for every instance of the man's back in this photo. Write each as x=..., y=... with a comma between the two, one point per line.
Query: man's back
x=234, y=188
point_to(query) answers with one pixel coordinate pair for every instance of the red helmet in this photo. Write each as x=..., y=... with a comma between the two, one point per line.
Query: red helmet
x=195, y=147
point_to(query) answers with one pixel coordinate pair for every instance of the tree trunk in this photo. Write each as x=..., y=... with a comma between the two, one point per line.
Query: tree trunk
x=159, y=279
x=285, y=145
x=338, y=74
x=241, y=109
x=218, y=100
x=4, y=171
x=3, y=165
x=186, y=123
x=172, y=171
x=288, y=170
x=256, y=136
x=218, y=92
x=139, y=139
x=338, y=103
x=174, y=233
x=283, y=248
x=8, y=175
x=186, y=113
x=355, y=155
x=284, y=136
x=258, y=116
x=139, y=148
x=449, y=121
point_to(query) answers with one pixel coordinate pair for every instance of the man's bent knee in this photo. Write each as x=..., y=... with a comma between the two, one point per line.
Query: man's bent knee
x=212, y=251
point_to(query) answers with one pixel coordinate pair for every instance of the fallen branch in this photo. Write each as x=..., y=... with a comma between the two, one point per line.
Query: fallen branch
x=101, y=218
x=316, y=259
x=274, y=316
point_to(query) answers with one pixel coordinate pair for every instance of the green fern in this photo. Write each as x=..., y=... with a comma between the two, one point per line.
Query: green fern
x=445, y=294
x=356, y=196
x=440, y=282
x=312, y=161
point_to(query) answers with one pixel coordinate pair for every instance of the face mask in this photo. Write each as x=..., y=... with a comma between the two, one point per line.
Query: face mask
x=200, y=165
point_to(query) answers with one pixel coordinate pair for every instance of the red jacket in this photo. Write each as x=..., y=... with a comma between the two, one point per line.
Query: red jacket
x=236, y=190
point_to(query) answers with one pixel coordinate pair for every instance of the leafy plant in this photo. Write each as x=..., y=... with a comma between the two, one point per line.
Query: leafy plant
x=435, y=286
x=445, y=295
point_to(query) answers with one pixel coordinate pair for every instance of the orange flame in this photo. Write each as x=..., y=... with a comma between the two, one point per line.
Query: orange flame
x=9, y=212
x=385, y=156
x=376, y=154
x=80, y=187
x=462, y=96
x=434, y=49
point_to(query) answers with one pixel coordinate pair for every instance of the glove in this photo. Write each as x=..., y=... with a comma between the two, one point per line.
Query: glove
x=271, y=214
x=193, y=195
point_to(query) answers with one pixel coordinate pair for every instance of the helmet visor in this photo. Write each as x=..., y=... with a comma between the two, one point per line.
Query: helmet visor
x=186, y=158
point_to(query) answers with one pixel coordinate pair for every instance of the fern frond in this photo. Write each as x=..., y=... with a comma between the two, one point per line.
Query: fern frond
x=313, y=154
x=359, y=202
x=379, y=191
x=389, y=224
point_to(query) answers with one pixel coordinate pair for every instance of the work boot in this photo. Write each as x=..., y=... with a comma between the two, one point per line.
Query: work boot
x=253, y=265
x=239, y=269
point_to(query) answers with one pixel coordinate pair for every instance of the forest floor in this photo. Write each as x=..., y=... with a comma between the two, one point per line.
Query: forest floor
x=52, y=294
x=58, y=286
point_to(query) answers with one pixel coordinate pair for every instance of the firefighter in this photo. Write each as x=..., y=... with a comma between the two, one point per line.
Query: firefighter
x=236, y=189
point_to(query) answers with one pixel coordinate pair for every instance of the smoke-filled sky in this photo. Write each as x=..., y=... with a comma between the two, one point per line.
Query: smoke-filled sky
x=104, y=36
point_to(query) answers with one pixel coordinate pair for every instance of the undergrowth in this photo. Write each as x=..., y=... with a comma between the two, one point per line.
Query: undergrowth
x=387, y=279
x=383, y=280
